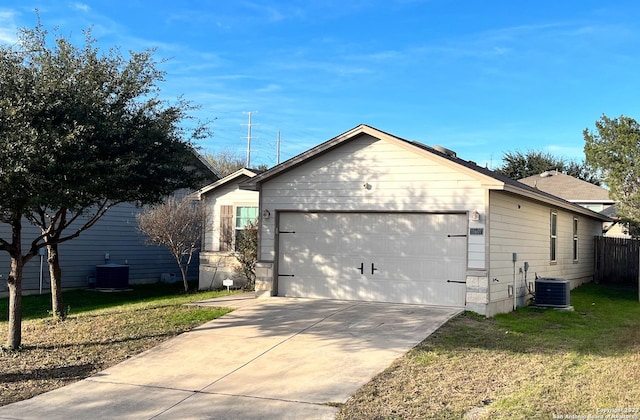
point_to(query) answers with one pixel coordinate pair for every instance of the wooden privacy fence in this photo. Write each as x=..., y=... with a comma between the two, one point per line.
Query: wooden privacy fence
x=616, y=260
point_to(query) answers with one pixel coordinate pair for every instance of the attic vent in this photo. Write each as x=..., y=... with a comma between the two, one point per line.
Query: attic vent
x=444, y=150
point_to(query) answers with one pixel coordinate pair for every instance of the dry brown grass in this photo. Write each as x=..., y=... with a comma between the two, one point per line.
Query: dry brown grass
x=530, y=365
x=527, y=365
x=55, y=354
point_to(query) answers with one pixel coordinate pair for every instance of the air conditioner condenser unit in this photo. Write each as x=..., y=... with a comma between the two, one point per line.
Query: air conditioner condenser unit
x=553, y=292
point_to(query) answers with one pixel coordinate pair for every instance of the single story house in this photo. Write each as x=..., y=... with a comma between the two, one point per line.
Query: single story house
x=370, y=216
x=584, y=194
x=114, y=239
x=229, y=209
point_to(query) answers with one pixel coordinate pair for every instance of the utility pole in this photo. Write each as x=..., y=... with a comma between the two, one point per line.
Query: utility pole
x=278, y=149
x=249, y=125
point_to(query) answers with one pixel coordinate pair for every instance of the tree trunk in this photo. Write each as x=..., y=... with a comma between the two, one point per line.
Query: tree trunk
x=55, y=272
x=14, y=338
x=184, y=276
x=14, y=335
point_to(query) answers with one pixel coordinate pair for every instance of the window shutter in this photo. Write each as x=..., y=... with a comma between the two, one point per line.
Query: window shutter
x=226, y=227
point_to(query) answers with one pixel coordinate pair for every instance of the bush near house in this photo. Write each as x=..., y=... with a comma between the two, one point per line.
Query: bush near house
x=247, y=254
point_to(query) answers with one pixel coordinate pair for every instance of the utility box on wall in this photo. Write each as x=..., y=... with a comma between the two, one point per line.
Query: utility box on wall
x=169, y=278
x=112, y=276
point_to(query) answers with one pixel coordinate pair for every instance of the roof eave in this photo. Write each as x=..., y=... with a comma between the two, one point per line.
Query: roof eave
x=227, y=179
x=555, y=201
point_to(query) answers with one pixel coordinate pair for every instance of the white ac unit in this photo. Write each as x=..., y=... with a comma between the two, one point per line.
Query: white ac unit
x=553, y=292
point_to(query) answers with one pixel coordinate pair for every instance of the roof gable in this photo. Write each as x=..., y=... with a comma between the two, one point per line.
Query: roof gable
x=488, y=178
x=354, y=133
x=239, y=176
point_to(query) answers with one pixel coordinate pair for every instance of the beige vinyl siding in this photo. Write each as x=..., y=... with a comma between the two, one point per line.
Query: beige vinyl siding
x=226, y=195
x=523, y=226
x=368, y=174
x=116, y=233
x=619, y=230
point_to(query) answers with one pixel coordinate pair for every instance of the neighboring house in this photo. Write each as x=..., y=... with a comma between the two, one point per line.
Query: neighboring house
x=229, y=209
x=114, y=239
x=617, y=228
x=368, y=216
x=582, y=193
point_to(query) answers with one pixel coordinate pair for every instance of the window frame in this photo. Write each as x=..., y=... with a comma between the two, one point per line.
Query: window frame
x=576, y=253
x=553, y=237
x=238, y=230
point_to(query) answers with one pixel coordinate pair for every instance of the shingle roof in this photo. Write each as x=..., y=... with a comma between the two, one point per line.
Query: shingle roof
x=501, y=182
x=567, y=187
x=611, y=212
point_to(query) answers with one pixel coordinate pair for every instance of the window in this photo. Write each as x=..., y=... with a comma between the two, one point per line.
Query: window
x=230, y=230
x=575, y=239
x=244, y=216
x=553, y=243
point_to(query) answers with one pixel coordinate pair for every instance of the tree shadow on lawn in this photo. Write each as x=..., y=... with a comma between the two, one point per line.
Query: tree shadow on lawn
x=65, y=373
x=155, y=337
x=605, y=322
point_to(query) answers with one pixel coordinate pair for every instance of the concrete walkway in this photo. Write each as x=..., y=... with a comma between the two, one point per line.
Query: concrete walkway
x=275, y=358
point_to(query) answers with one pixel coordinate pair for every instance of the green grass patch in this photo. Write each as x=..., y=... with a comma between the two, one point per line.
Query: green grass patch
x=603, y=320
x=87, y=300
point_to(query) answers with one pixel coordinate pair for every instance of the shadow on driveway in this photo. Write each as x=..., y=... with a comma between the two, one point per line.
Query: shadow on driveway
x=270, y=358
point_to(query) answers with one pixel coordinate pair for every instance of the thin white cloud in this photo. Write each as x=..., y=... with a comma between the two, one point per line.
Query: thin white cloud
x=270, y=88
x=81, y=6
x=273, y=14
x=8, y=27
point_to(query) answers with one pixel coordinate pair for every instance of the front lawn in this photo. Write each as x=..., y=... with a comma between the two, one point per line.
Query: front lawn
x=531, y=364
x=102, y=329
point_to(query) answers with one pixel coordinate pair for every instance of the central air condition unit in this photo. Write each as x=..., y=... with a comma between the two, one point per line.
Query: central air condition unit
x=553, y=292
x=112, y=276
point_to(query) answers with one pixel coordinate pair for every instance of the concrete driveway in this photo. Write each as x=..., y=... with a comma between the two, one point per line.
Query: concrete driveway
x=277, y=358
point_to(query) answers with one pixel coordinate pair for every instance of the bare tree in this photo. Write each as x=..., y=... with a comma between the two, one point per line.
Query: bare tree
x=225, y=161
x=178, y=225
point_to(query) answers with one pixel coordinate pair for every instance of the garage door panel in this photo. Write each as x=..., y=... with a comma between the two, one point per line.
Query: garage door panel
x=431, y=280
x=415, y=257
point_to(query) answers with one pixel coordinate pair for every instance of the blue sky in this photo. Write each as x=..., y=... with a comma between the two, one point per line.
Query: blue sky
x=478, y=77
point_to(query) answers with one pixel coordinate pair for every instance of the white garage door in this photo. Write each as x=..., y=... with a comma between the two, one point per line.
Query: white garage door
x=382, y=257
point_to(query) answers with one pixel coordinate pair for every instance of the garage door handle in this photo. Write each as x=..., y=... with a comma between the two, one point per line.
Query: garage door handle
x=373, y=268
x=361, y=268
